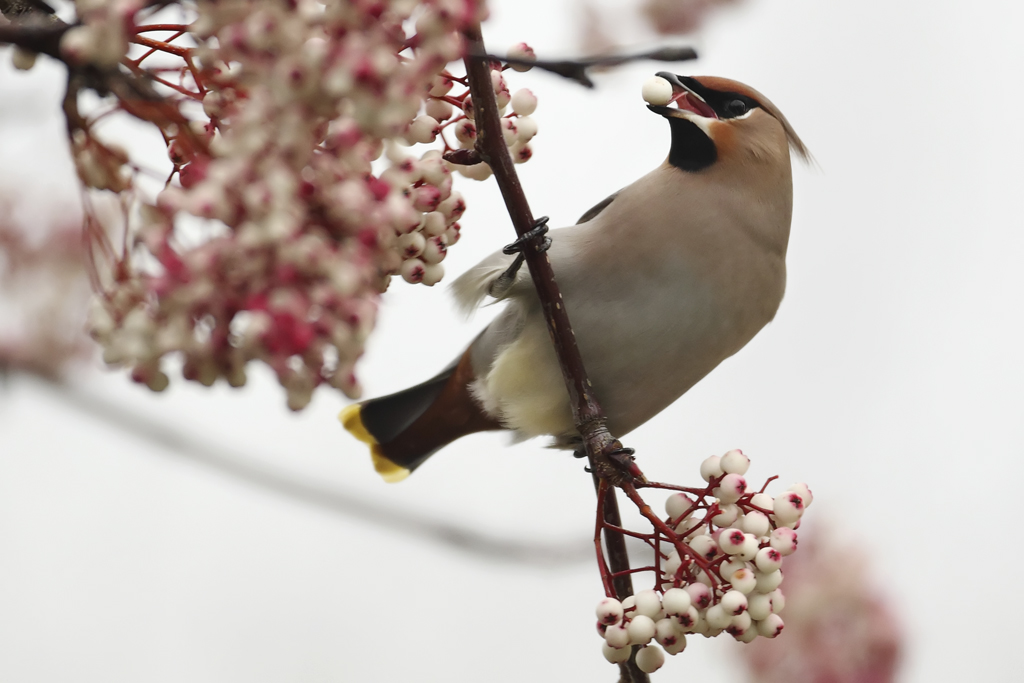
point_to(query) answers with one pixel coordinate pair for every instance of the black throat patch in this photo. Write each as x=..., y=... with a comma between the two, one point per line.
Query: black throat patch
x=692, y=150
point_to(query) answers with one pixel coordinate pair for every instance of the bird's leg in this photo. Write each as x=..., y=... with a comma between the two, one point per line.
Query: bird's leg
x=499, y=288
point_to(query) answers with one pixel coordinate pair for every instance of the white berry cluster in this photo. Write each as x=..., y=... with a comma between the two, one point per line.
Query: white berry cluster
x=291, y=202
x=722, y=573
x=448, y=110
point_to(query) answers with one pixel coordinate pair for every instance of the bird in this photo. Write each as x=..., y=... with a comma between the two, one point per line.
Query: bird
x=662, y=281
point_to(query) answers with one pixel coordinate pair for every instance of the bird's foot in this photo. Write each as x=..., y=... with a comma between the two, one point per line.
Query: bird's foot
x=620, y=464
x=540, y=229
x=623, y=459
x=499, y=288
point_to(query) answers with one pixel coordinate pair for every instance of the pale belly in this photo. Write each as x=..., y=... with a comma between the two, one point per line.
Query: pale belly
x=641, y=352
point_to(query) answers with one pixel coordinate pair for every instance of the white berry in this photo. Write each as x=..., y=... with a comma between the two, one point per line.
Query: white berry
x=734, y=602
x=740, y=624
x=778, y=601
x=788, y=507
x=671, y=565
x=706, y=547
x=749, y=549
x=23, y=60
x=784, y=540
x=711, y=468
x=677, y=505
x=717, y=617
x=771, y=626
x=432, y=274
x=648, y=603
x=744, y=580
x=768, y=560
x=616, y=636
x=700, y=595
x=616, y=655
x=759, y=606
x=657, y=91
x=641, y=630
x=804, y=493
x=688, y=621
x=609, y=611
x=731, y=541
x=731, y=488
x=650, y=659
x=734, y=462
x=666, y=633
x=726, y=516
x=524, y=102
x=763, y=501
x=756, y=523
x=766, y=583
x=746, y=636
x=676, y=601
x=678, y=646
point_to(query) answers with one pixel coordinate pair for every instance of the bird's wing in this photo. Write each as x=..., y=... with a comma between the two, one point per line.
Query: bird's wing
x=478, y=282
x=597, y=208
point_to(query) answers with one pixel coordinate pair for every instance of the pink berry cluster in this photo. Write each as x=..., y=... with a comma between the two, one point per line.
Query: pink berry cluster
x=722, y=573
x=44, y=289
x=677, y=16
x=848, y=629
x=293, y=198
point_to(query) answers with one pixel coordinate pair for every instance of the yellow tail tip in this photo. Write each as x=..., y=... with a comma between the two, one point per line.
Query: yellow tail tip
x=352, y=420
x=390, y=472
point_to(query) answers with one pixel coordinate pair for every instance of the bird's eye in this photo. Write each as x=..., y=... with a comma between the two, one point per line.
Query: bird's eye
x=735, y=108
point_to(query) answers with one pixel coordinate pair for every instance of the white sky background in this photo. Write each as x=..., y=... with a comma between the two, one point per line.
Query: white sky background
x=890, y=381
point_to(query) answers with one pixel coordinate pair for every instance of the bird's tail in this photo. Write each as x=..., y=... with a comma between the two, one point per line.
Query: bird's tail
x=406, y=428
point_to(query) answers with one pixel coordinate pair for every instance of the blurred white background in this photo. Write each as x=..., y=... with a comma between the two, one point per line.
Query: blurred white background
x=890, y=381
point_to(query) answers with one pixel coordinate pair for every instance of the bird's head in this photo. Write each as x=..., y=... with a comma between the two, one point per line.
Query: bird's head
x=717, y=119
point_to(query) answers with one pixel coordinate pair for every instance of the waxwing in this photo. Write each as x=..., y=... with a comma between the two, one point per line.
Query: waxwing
x=662, y=281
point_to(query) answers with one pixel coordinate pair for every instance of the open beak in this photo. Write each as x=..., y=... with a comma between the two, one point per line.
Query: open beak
x=685, y=99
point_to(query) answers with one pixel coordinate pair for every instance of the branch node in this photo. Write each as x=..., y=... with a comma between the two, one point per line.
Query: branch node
x=463, y=157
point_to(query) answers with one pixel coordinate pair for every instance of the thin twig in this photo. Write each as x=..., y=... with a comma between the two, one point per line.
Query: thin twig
x=335, y=499
x=576, y=69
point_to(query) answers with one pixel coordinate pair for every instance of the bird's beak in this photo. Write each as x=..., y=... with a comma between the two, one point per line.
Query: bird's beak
x=685, y=98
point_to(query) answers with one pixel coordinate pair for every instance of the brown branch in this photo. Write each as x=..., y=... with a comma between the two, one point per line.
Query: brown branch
x=576, y=69
x=600, y=446
x=35, y=36
x=607, y=455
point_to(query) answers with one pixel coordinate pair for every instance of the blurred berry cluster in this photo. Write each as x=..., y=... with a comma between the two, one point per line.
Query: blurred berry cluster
x=295, y=194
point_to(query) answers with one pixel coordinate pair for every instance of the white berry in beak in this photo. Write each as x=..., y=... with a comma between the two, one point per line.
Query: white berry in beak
x=657, y=91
